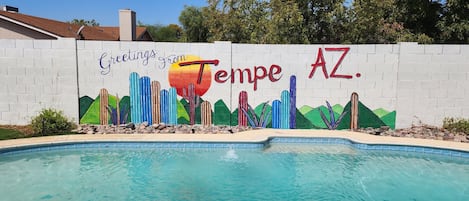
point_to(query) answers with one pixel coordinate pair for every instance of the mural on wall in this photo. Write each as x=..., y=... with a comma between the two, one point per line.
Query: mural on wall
x=190, y=77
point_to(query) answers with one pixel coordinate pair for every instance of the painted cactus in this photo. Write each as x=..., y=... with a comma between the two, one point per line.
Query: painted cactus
x=193, y=99
x=276, y=114
x=103, y=107
x=145, y=99
x=155, y=102
x=285, y=110
x=206, y=113
x=243, y=105
x=260, y=122
x=172, y=106
x=292, y=101
x=135, y=103
x=331, y=123
x=354, y=111
x=164, y=106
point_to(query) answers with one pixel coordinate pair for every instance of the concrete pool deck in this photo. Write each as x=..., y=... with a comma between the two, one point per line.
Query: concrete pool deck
x=247, y=137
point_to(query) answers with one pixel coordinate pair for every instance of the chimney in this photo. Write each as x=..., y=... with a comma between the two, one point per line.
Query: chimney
x=127, y=25
x=10, y=9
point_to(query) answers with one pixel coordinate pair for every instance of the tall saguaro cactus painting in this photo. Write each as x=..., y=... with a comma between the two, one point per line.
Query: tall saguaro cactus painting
x=193, y=99
x=206, y=113
x=293, y=101
x=243, y=105
x=135, y=103
x=285, y=110
x=103, y=104
x=145, y=99
x=155, y=102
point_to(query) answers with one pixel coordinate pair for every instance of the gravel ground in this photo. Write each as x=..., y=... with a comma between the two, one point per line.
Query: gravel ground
x=416, y=131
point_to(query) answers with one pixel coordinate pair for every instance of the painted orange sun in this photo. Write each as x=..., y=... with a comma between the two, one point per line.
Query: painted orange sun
x=181, y=75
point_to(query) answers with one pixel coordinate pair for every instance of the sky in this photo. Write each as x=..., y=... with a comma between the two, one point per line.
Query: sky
x=105, y=12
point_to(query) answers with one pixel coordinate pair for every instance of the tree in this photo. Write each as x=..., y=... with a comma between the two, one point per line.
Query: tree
x=192, y=21
x=169, y=33
x=84, y=22
x=325, y=21
x=375, y=21
x=420, y=17
x=454, y=25
x=285, y=26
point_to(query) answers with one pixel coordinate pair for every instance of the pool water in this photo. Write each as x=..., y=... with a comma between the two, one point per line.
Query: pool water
x=279, y=172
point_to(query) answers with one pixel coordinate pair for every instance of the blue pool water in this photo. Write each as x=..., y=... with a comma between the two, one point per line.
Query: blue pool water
x=192, y=171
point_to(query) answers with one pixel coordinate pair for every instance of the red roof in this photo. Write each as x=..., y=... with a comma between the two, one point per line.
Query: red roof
x=67, y=30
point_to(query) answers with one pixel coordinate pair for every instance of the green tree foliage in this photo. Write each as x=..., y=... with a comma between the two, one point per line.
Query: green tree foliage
x=328, y=21
x=160, y=33
x=420, y=17
x=286, y=23
x=51, y=121
x=192, y=21
x=454, y=24
x=325, y=21
x=84, y=22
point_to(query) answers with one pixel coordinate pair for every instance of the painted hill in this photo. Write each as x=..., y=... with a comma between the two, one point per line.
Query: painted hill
x=92, y=114
x=85, y=103
x=367, y=118
x=337, y=108
x=390, y=119
x=221, y=113
x=314, y=116
x=380, y=112
x=305, y=109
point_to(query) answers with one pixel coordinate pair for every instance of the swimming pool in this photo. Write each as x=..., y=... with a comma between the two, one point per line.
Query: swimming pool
x=280, y=169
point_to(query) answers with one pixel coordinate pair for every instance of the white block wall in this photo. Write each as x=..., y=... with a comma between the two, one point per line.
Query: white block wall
x=37, y=74
x=421, y=82
x=433, y=83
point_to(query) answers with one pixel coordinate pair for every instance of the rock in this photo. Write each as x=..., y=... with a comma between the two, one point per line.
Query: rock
x=131, y=126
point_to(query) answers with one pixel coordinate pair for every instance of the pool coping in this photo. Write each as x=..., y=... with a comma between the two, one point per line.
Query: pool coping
x=252, y=136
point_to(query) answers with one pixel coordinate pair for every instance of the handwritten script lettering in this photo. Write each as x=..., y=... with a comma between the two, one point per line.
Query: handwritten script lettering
x=107, y=59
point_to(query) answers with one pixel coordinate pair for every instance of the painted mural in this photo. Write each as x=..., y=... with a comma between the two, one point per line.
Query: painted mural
x=190, y=77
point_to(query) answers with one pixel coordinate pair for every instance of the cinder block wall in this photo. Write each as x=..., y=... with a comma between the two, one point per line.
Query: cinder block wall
x=36, y=74
x=432, y=83
x=421, y=82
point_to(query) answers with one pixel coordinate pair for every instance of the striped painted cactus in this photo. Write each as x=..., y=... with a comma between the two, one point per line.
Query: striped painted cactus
x=206, y=113
x=292, y=101
x=172, y=104
x=155, y=102
x=135, y=103
x=145, y=99
x=193, y=99
x=285, y=110
x=164, y=106
x=103, y=107
x=354, y=111
x=243, y=105
x=276, y=114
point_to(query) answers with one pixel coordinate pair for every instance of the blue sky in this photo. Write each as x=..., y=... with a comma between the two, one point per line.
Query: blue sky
x=105, y=12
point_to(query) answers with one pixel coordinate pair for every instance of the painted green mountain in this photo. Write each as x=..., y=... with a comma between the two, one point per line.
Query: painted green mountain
x=187, y=108
x=337, y=108
x=85, y=103
x=221, y=113
x=302, y=122
x=305, y=109
x=182, y=113
x=125, y=103
x=390, y=119
x=92, y=115
x=234, y=117
x=367, y=118
x=380, y=112
x=314, y=116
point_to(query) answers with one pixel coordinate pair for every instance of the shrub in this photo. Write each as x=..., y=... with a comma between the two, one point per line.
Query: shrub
x=456, y=124
x=51, y=121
